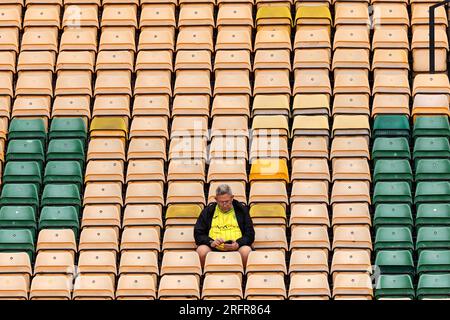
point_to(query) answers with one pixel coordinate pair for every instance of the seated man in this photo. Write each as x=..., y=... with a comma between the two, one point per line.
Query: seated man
x=224, y=225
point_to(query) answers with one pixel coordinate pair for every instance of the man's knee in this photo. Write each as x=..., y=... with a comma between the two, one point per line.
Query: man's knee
x=203, y=250
x=245, y=250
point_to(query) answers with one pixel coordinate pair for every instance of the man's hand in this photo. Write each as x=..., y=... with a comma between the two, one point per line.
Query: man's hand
x=217, y=242
x=231, y=247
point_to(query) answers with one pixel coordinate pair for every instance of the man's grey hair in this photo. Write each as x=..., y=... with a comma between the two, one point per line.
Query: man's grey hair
x=223, y=189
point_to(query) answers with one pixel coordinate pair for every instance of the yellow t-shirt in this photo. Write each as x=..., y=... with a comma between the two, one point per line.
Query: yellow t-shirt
x=224, y=225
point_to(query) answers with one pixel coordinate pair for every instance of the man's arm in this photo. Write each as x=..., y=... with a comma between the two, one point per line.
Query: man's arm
x=201, y=230
x=248, y=234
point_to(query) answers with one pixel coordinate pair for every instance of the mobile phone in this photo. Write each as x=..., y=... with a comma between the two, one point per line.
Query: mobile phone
x=229, y=241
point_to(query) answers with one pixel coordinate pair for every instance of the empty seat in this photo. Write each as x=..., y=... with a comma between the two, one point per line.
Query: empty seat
x=54, y=287
x=309, y=285
x=136, y=287
x=93, y=287
x=265, y=286
x=179, y=287
x=222, y=286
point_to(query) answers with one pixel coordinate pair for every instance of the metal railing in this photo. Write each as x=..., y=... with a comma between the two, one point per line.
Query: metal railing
x=432, y=35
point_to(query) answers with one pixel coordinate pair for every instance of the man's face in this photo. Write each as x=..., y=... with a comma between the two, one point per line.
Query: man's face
x=225, y=202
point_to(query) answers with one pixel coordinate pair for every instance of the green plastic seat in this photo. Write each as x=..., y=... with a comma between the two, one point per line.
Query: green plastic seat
x=432, y=169
x=433, y=214
x=20, y=128
x=394, y=286
x=63, y=172
x=433, y=238
x=436, y=147
x=17, y=240
x=20, y=194
x=391, y=126
x=436, y=191
x=395, y=238
x=437, y=126
x=393, y=214
x=22, y=172
x=64, y=217
x=390, y=148
x=392, y=170
x=395, y=261
x=433, y=261
x=25, y=150
x=392, y=192
x=433, y=286
x=68, y=128
x=22, y=217
x=61, y=195
x=66, y=149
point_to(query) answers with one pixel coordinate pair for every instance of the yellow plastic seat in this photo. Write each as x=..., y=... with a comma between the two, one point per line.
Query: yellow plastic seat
x=182, y=214
x=351, y=125
x=269, y=169
x=310, y=125
x=313, y=104
x=268, y=125
x=268, y=214
x=314, y=14
x=109, y=127
x=267, y=104
x=273, y=15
